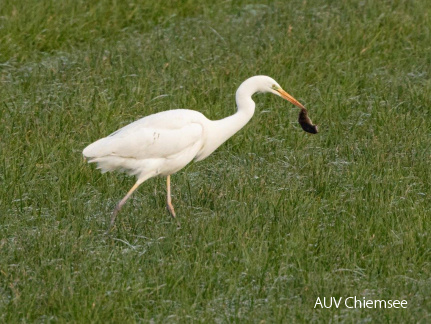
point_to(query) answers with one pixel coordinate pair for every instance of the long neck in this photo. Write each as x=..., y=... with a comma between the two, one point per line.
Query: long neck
x=219, y=131
x=245, y=109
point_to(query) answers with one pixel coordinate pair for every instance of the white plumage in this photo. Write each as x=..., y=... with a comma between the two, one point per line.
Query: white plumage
x=152, y=145
x=163, y=143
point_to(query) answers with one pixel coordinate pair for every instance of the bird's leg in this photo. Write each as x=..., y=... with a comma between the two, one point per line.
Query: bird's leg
x=122, y=202
x=169, y=201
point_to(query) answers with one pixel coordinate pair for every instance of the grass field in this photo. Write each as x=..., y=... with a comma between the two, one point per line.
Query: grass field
x=271, y=221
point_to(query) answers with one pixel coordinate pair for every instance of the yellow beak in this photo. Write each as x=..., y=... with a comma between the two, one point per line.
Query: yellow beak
x=288, y=97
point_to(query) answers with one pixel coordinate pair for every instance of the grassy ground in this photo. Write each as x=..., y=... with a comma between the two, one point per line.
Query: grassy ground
x=274, y=219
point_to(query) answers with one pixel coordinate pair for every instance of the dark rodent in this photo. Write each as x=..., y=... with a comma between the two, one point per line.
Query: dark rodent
x=306, y=123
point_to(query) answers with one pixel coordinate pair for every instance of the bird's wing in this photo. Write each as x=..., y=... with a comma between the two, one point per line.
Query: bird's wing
x=169, y=119
x=146, y=139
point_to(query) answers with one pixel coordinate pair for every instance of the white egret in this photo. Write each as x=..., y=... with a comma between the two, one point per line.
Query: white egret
x=165, y=142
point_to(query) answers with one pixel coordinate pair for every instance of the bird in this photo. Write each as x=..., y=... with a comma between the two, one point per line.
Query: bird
x=163, y=143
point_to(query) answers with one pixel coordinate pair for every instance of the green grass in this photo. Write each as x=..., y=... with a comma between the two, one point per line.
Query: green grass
x=273, y=219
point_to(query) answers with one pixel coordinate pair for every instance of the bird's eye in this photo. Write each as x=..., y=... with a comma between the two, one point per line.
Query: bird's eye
x=274, y=87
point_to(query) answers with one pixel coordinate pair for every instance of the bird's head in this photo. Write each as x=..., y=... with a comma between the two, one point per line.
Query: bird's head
x=267, y=84
x=277, y=90
x=263, y=83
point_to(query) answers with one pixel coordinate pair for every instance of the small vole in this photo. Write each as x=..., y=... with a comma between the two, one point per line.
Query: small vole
x=306, y=123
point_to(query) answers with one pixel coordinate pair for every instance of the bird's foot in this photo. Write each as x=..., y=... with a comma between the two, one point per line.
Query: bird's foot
x=114, y=215
x=171, y=209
